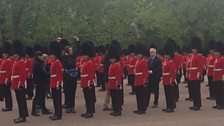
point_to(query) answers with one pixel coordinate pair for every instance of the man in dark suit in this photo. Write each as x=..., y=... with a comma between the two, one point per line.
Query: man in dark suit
x=155, y=73
x=39, y=78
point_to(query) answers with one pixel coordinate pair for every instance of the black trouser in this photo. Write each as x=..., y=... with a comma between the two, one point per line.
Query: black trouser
x=185, y=75
x=93, y=92
x=189, y=89
x=30, y=87
x=1, y=96
x=56, y=94
x=140, y=97
x=211, y=87
x=169, y=94
x=70, y=86
x=39, y=99
x=125, y=73
x=178, y=76
x=121, y=91
x=88, y=95
x=100, y=79
x=176, y=91
x=132, y=81
x=21, y=101
x=219, y=93
x=196, y=92
x=152, y=88
x=6, y=91
x=115, y=98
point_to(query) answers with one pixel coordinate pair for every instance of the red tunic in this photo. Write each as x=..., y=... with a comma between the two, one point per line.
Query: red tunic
x=100, y=67
x=169, y=74
x=131, y=66
x=218, y=69
x=87, y=74
x=18, y=77
x=114, y=76
x=56, y=71
x=5, y=71
x=184, y=61
x=29, y=64
x=177, y=59
x=188, y=61
x=195, y=67
x=95, y=61
x=210, y=65
x=141, y=72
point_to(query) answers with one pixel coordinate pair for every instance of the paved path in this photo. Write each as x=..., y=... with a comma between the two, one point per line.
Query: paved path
x=153, y=117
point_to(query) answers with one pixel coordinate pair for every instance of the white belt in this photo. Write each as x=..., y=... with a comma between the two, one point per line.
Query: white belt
x=192, y=68
x=100, y=64
x=54, y=75
x=84, y=75
x=15, y=76
x=1, y=72
x=27, y=69
x=131, y=66
x=111, y=78
x=138, y=74
x=165, y=74
x=210, y=66
x=217, y=70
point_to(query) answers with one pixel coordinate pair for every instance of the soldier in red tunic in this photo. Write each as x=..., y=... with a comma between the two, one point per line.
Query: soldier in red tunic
x=114, y=79
x=184, y=61
x=177, y=59
x=131, y=67
x=195, y=73
x=100, y=68
x=188, y=61
x=169, y=76
x=141, y=78
x=210, y=66
x=87, y=73
x=18, y=79
x=56, y=71
x=1, y=93
x=218, y=74
x=29, y=62
x=5, y=76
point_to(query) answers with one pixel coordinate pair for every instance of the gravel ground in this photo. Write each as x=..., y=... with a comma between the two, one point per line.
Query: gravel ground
x=153, y=117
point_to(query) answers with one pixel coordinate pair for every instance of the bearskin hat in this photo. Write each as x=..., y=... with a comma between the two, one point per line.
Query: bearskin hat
x=18, y=48
x=219, y=47
x=117, y=44
x=63, y=43
x=6, y=47
x=169, y=49
x=131, y=48
x=141, y=49
x=54, y=48
x=29, y=51
x=101, y=49
x=113, y=52
x=37, y=47
x=196, y=43
x=174, y=44
x=1, y=53
x=45, y=50
x=211, y=45
x=184, y=49
x=87, y=48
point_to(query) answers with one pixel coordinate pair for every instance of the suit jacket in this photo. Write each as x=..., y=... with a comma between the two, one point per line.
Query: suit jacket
x=155, y=65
